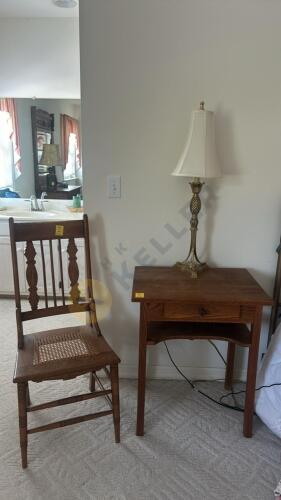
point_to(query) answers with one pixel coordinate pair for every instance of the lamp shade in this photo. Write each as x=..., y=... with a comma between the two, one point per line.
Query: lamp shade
x=199, y=157
x=51, y=155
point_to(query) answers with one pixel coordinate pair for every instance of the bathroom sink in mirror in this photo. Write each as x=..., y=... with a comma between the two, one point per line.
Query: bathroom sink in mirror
x=28, y=215
x=40, y=148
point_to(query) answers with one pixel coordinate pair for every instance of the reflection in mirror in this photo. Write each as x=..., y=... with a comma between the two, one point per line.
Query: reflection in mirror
x=40, y=148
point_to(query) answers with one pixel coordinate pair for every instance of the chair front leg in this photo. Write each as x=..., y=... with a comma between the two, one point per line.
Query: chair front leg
x=22, y=398
x=115, y=401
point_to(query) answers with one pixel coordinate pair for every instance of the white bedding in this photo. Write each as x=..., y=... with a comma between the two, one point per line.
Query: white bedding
x=268, y=400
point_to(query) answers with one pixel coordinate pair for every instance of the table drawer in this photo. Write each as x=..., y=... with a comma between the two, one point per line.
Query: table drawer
x=201, y=312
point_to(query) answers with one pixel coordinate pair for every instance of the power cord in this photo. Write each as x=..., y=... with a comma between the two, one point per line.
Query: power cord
x=241, y=392
x=232, y=393
x=218, y=351
x=225, y=363
x=225, y=405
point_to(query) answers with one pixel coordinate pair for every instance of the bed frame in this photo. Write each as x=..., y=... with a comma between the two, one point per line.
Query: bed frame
x=276, y=308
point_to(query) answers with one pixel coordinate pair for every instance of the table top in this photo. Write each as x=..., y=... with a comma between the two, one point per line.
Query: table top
x=170, y=284
x=67, y=189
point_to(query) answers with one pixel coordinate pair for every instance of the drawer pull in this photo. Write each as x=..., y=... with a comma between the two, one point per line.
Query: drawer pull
x=203, y=311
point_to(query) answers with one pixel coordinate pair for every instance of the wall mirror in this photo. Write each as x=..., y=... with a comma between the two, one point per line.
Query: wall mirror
x=40, y=148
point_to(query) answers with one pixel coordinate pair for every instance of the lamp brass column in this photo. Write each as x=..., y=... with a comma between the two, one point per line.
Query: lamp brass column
x=192, y=262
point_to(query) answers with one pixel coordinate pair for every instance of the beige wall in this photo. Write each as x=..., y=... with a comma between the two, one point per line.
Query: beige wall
x=145, y=65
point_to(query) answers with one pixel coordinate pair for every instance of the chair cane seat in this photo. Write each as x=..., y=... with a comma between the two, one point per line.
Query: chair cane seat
x=62, y=353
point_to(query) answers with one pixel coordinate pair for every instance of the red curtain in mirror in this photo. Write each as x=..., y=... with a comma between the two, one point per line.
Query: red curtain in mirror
x=69, y=126
x=8, y=105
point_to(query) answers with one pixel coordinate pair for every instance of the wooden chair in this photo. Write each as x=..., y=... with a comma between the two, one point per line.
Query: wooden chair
x=62, y=353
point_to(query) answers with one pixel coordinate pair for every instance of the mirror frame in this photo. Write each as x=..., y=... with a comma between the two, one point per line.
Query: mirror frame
x=41, y=121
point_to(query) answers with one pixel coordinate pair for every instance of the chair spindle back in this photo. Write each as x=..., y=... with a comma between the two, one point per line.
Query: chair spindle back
x=44, y=259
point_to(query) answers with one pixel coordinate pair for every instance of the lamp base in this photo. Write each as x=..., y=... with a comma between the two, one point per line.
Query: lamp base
x=193, y=267
x=192, y=264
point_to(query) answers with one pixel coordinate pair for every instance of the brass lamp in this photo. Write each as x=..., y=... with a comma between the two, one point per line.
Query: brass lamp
x=51, y=158
x=198, y=161
x=51, y=155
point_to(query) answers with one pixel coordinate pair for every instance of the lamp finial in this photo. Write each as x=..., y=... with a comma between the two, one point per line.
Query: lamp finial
x=202, y=105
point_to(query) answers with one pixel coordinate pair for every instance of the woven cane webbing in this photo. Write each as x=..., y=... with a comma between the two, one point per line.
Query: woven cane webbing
x=65, y=346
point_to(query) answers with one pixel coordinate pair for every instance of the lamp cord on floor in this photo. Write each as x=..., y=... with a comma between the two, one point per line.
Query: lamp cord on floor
x=236, y=408
x=241, y=392
x=232, y=393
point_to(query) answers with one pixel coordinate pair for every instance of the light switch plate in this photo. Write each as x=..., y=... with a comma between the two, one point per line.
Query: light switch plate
x=114, y=186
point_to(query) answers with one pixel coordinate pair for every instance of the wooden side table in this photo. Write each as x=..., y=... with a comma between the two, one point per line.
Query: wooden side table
x=218, y=305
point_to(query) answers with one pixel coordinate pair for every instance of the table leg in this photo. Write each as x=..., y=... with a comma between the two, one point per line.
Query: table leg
x=142, y=371
x=251, y=374
x=229, y=366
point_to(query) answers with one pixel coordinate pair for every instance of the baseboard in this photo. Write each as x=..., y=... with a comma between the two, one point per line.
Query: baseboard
x=169, y=372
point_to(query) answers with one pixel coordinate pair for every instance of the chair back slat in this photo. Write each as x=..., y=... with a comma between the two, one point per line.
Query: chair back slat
x=48, y=230
x=53, y=273
x=44, y=273
x=61, y=272
x=31, y=275
x=46, y=268
x=73, y=271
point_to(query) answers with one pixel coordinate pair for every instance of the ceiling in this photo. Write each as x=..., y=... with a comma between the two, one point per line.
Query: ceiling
x=34, y=8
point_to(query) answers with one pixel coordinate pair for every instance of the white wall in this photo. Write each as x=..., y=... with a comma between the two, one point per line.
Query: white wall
x=145, y=65
x=40, y=57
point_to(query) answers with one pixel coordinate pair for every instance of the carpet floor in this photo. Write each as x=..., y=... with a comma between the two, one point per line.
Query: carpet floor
x=192, y=448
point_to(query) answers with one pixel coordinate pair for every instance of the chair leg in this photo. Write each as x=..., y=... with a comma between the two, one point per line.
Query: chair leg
x=115, y=401
x=229, y=366
x=28, y=400
x=22, y=397
x=92, y=382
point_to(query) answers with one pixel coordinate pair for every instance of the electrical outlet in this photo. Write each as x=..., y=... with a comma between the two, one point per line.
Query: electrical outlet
x=114, y=186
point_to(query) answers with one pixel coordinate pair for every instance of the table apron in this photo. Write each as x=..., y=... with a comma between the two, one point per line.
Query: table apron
x=219, y=313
